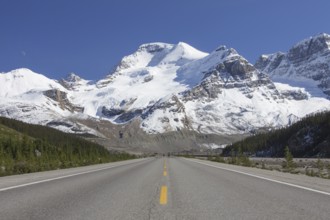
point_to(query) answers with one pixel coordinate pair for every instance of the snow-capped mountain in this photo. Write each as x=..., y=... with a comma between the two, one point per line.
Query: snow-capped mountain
x=306, y=64
x=74, y=82
x=164, y=88
x=233, y=97
x=22, y=81
x=34, y=98
x=139, y=81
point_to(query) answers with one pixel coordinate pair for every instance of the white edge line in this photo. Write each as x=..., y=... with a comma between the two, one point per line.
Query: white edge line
x=264, y=178
x=63, y=177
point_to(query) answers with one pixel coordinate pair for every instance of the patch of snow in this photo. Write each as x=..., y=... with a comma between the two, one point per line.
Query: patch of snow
x=214, y=146
x=296, y=83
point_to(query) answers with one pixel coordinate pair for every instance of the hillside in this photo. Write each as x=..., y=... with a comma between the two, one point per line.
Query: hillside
x=26, y=148
x=308, y=137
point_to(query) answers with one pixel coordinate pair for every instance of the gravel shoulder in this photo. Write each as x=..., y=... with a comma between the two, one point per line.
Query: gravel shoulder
x=297, y=179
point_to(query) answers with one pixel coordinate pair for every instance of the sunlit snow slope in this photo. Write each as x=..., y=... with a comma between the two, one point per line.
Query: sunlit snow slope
x=170, y=87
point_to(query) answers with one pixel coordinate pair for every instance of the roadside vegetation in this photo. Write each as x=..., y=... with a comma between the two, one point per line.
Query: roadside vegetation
x=315, y=167
x=26, y=148
x=308, y=138
x=310, y=167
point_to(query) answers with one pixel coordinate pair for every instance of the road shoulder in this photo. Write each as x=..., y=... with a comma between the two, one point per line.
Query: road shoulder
x=317, y=184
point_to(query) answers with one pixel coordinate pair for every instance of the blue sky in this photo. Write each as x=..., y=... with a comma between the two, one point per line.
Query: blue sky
x=89, y=37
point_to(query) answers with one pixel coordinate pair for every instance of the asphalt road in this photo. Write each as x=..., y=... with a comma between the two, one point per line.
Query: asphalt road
x=163, y=188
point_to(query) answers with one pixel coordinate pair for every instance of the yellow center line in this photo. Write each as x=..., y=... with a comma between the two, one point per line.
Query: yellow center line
x=163, y=191
x=163, y=195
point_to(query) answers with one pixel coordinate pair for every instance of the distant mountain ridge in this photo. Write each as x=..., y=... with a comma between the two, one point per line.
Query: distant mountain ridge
x=306, y=64
x=167, y=88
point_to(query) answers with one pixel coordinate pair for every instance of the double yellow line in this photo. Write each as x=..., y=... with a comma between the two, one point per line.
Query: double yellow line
x=163, y=190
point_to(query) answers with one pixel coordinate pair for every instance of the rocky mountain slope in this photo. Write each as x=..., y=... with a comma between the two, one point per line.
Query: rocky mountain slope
x=162, y=89
x=306, y=64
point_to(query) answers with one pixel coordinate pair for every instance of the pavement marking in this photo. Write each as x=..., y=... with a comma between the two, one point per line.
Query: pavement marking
x=163, y=195
x=164, y=173
x=264, y=178
x=63, y=177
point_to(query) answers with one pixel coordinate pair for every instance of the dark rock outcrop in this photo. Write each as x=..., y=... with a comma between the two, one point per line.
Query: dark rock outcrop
x=111, y=112
x=61, y=98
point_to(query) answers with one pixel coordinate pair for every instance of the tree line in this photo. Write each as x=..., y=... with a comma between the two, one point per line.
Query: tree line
x=309, y=137
x=26, y=148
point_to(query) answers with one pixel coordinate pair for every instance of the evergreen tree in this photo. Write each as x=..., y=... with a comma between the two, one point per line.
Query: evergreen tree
x=288, y=163
x=28, y=148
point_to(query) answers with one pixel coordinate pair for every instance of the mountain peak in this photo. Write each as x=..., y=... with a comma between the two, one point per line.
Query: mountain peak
x=189, y=52
x=323, y=38
x=221, y=47
x=322, y=35
x=21, y=72
x=306, y=64
x=20, y=81
x=142, y=56
x=153, y=47
x=223, y=58
x=72, y=77
x=154, y=54
x=181, y=54
x=170, y=87
x=310, y=46
x=73, y=82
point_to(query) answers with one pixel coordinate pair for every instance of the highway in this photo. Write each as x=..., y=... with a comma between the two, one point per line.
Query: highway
x=163, y=188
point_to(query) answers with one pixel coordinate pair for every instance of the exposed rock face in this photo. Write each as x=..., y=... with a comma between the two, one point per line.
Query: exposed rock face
x=111, y=112
x=70, y=81
x=173, y=103
x=74, y=82
x=231, y=72
x=148, y=78
x=209, y=88
x=206, y=107
x=123, y=113
x=62, y=99
x=309, y=59
x=169, y=112
x=59, y=123
x=129, y=115
x=164, y=88
x=238, y=69
x=264, y=61
x=294, y=95
x=309, y=48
